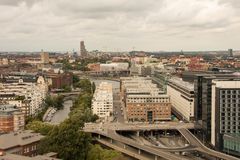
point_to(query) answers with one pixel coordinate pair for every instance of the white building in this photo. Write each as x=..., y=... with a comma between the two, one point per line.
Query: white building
x=114, y=67
x=181, y=97
x=33, y=93
x=102, y=102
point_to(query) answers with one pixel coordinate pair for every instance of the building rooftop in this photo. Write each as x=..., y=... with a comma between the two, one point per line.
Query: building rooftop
x=181, y=83
x=9, y=156
x=18, y=139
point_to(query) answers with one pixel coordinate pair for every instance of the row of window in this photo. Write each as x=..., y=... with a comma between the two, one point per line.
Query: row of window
x=28, y=149
x=230, y=92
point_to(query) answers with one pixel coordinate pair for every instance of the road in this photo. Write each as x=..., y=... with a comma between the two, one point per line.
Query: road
x=61, y=115
x=202, y=148
x=167, y=155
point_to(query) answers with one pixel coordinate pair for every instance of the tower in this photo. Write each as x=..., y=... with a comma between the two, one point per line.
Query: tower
x=230, y=51
x=83, y=51
x=44, y=57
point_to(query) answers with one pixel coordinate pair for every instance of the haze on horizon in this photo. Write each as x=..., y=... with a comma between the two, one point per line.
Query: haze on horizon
x=119, y=25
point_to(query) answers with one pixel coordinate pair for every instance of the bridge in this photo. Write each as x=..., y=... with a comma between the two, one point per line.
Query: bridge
x=108, y=134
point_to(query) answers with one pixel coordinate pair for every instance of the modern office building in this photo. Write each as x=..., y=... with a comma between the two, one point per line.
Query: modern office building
x=144, y=101
x=102, y=102
x=225, y=111
x=231, y=144
x=11, y=119
x=22, y=143
x=44, y=57
x=83, y=51
x=203, y=100
x=181, y=97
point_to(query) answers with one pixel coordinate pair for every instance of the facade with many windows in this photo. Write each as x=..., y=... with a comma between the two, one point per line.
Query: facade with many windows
x=181, y=97
x=231, y=144
x=225, y=110
x=21, y=143
x=102, y=102
x=143, y=100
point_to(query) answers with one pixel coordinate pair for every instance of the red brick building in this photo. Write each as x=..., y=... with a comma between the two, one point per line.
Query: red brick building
x=59, y=80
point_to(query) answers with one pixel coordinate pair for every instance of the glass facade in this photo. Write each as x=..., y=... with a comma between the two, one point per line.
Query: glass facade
x=231, y=144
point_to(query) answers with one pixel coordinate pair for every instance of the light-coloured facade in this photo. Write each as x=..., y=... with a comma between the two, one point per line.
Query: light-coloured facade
x=45, y=57
x=114, y=67
x=181, y=97
x=143, y=100
x=30, y=94
x=102, y=102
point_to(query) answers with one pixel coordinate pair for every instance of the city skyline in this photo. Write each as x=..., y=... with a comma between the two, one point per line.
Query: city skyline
x=119, y=25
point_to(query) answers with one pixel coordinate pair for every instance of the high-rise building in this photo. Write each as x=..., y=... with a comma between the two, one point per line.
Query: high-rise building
x=83, y=51
x=44, y=57
x=230, y=51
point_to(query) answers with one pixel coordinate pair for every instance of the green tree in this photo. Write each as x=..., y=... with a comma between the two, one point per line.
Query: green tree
x=98, y=153
x=40, y=127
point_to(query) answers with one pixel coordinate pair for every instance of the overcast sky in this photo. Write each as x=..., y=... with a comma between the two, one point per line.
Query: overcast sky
x=119, y=25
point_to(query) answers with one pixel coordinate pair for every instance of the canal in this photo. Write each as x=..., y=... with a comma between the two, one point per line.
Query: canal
x=61, y=115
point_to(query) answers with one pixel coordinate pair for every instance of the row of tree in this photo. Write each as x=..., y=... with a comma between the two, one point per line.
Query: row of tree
x=68, y=139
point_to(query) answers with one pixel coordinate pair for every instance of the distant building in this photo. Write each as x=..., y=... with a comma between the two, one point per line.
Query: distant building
x=181, y=97
x=45, y=57
x=102, y=102
x=146, y=71
x=144, y=101
x=11, y=119
x=59, y=80
x=22, y=143
x=230, y=52
x=114, y=67
x=83, y=51
x=94, y=67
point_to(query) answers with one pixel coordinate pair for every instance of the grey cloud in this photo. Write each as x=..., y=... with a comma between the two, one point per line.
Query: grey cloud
x=121, y=20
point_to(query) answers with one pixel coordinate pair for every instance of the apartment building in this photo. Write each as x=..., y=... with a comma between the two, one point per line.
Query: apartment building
x=22, y=143
x=11, y=119
x=181, y=97
x=144, y=101
x=102, y=102
x=26, y=94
